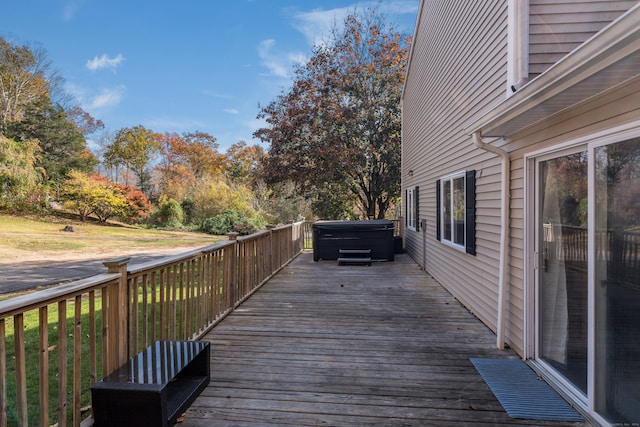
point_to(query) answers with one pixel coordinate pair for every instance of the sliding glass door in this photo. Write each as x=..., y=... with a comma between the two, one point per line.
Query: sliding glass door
x=562, y=277
x=617, y=281
x=588, y=274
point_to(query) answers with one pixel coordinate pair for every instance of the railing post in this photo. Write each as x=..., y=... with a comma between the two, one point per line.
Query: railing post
x=272, y=267
x=234, y=270
x=118, y=315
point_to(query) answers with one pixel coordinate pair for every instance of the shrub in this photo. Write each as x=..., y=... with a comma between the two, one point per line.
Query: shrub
x=230, y=221
x=168, y=215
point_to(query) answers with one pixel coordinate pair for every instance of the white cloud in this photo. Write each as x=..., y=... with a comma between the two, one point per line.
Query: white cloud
x=173, y=124
x=107, y=98
x=214, y=94
x=231, y=111
x=77, y=91
x=255, y=124
x=69, y=11
x=316, y=25
x=104, y=61
x=70, y=8
x=399, y=7
x=278, y=65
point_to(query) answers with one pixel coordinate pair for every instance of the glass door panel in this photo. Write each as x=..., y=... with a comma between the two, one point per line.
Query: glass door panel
x=617, y=281
x=563, y=272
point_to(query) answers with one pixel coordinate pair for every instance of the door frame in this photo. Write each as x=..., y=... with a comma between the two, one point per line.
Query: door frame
x=589, y=142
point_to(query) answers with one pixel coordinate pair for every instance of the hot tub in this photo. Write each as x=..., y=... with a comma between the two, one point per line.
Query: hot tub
x=329, y=237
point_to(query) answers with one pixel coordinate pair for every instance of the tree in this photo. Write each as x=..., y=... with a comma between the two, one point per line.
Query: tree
x=243, y=162
x=26, y=75
x=63, y=148
x=137, y=204
x=93, y=195
x=19, y=175
x=340, y=121
x=84, y=122
x=217, y=196
x=134, y=148
x=22, y=81
x=188, y=162
x=169, y=213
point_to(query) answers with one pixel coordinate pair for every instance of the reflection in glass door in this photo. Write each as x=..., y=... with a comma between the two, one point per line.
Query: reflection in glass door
x=617, y=281
x=588, y=275
x=563, y=272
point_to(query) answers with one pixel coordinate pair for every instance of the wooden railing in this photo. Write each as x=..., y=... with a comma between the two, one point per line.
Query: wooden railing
x=56, y=343
x=618, y=249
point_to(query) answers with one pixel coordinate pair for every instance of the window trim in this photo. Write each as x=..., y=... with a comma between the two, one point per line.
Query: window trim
x=412, y=208
x=469, y=245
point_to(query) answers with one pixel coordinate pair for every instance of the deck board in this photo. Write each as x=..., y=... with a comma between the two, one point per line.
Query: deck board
x=352, y=345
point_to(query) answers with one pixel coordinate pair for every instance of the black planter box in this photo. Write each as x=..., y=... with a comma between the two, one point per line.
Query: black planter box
x=329, y=237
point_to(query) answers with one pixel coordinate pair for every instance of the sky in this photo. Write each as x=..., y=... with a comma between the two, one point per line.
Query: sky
x=182, y=65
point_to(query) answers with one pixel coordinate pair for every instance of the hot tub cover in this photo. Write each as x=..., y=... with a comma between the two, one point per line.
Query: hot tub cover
x=373, y=224
x=373, y=236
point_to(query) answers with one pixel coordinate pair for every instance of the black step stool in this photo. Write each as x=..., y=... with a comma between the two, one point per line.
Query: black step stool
x=354, y=256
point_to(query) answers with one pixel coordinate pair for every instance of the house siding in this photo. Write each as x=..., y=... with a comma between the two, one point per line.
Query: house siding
x=558, y=27
x=605, y=112
x=457, y=72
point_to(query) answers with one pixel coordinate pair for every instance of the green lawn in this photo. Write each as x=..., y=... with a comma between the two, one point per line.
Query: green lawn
x=46, y=235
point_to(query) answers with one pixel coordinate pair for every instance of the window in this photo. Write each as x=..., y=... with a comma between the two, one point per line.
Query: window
x=412, y=208
x=456, y=210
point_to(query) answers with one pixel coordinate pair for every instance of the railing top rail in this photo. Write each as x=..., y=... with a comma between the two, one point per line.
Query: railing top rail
x=253, y=236
x=284, y=226
x=27, y=302
x=259, y=234
x=175, y=259
x=38, y=299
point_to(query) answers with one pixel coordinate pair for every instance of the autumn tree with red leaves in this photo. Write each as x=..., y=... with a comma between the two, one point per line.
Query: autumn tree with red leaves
x=188, y=162
x=338, y=127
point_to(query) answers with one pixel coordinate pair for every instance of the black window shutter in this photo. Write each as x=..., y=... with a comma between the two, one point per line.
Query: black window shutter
x=470, y=214
x=406, y=208
x=438, y=209
x=416, y=205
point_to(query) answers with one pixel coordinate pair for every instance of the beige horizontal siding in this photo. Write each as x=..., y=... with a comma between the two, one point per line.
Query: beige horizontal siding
x=556, y=27
x=457, y=73
x=603, y=112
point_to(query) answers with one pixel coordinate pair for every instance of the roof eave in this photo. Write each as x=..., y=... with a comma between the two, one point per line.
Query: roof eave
x=608, y=59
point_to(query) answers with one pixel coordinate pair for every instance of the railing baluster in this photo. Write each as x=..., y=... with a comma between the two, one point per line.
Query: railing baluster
x=183, y=326
x=132, y=303
x=179, y=298
x=3, y=375
x=93, y=363
x=77, y=360
x=163, y=304
x=62, y=363
x=173, y=301
x=21, y=370
x=145, y=312
x=105, y=330
x=154, y=307
x=43, y=350
x=190, y=298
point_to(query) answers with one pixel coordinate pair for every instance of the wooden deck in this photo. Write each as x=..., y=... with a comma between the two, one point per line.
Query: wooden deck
x=328, y=345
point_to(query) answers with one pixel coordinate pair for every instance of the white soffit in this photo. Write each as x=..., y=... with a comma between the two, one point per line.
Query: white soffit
x=608, y=59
